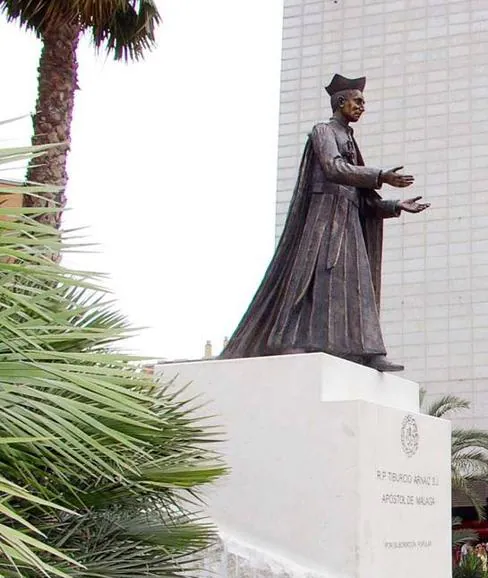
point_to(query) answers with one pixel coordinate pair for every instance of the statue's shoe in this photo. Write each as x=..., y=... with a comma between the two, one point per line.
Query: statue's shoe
x=382, y=363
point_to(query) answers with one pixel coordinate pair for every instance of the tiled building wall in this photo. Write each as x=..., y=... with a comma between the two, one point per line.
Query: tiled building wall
x=427, y=102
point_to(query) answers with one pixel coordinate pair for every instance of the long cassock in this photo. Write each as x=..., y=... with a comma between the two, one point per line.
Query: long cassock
x=321, y=291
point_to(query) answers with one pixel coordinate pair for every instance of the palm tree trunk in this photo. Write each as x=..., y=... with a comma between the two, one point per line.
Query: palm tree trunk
x=54, y=111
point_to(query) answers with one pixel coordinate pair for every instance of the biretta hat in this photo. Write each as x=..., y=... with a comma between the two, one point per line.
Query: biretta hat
x=339, y=83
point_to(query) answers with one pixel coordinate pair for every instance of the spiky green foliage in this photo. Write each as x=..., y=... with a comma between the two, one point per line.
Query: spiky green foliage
x=445, y=405
x=100, y=468
x=126, y=28
x=471, y=567
x=469, y=450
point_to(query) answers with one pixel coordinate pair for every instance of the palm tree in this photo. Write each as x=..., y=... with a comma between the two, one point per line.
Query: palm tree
x=100, y=468
x=469, y=449
x=126, y=28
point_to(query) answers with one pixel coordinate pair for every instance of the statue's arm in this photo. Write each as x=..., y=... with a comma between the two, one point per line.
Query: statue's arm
x=384, y=209
x=336, y=169
x=387, y=209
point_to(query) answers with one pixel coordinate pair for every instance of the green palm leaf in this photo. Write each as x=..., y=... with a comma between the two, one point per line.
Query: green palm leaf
x=101, y=467
x=125, y=27
x=469, y=450
x=445, y=405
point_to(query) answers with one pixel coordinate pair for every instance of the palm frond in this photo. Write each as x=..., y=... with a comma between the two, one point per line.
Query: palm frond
x=464, y=536
x=101, y=466
x=464, y=485
x=445, y=405
x=38, y=15
x=114, y=545
x=469, y=450
x=467, y=438
x=126, y=28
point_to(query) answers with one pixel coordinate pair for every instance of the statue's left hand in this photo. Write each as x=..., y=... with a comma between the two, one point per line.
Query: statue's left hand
x=411, y=205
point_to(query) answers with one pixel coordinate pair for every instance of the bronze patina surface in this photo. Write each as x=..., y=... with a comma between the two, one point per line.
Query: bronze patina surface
x=322, y=289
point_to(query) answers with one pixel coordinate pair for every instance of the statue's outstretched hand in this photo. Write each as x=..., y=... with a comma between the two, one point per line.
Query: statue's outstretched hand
x=392, y=178
x=411, y=205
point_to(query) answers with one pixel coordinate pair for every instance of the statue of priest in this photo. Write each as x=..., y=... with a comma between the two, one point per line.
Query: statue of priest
x=321, y=291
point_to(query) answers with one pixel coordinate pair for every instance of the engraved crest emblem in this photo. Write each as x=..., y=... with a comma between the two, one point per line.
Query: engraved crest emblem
x=409, y=436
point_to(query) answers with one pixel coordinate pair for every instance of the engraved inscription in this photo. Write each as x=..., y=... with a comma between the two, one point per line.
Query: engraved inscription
x=408, y=544
x=414, y=481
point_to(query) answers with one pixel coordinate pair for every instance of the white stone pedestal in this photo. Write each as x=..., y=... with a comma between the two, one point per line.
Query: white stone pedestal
x=334, y=471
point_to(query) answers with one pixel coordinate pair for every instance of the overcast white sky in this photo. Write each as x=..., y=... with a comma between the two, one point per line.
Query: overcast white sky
x=173, y=164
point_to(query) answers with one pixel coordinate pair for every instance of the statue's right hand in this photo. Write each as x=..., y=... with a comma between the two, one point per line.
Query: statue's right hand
x=392, y=178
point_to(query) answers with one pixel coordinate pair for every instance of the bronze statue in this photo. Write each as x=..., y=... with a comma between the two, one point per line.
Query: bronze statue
x=321, y=291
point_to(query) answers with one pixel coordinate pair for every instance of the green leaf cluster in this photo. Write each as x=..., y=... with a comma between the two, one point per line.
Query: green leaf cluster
x=126, y=28
x=469, y=449
x=471, y=567
x=100, y=467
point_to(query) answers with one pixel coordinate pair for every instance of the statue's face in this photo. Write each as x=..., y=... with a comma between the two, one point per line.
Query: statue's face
x=354, y=106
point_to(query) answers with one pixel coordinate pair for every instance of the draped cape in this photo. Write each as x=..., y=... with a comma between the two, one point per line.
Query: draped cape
x=293, y=265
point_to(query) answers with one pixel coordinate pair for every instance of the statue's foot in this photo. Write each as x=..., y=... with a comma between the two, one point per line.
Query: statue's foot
x=382, y=363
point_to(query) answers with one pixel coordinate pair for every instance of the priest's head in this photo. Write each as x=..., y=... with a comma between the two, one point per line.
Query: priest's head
x=346, y=97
